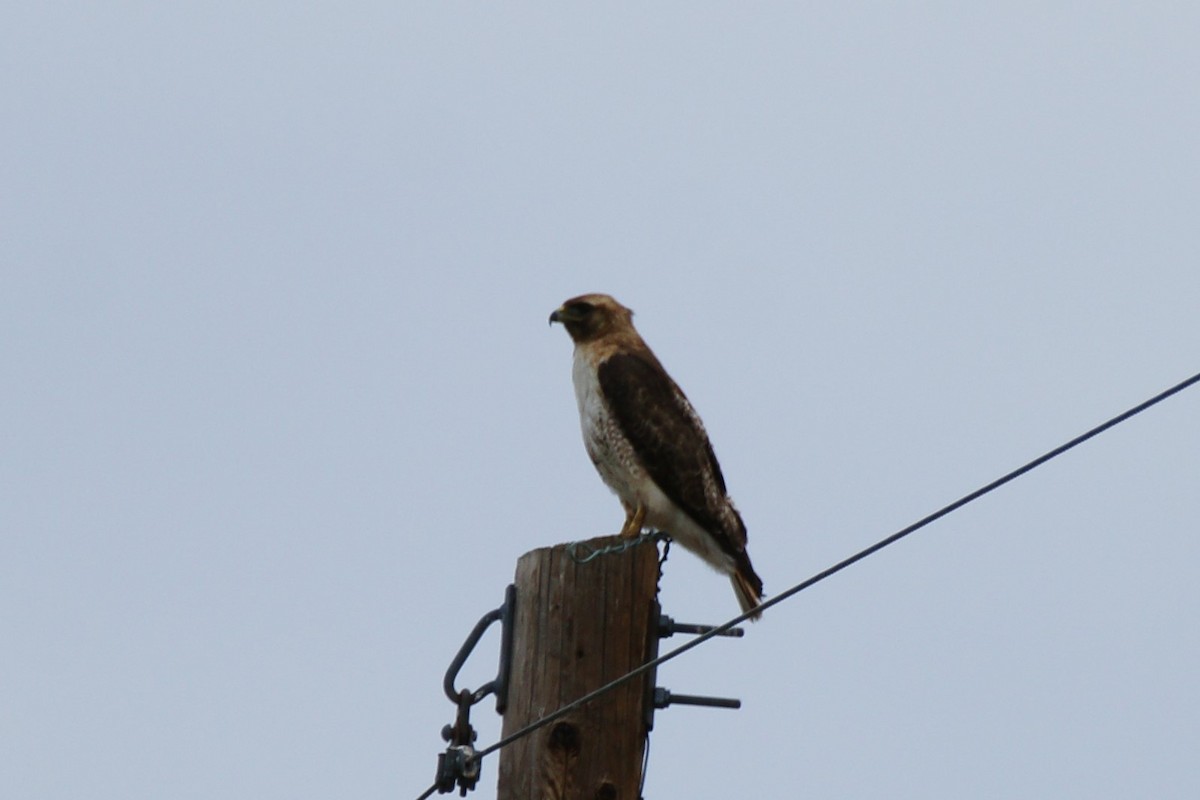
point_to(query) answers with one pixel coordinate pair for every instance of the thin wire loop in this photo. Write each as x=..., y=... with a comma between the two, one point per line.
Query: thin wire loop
x=588, y=552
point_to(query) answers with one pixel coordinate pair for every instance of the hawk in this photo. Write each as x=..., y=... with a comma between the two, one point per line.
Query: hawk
x=648, y=443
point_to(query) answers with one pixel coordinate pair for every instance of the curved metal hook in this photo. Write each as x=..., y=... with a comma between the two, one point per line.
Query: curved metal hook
x=499, y=685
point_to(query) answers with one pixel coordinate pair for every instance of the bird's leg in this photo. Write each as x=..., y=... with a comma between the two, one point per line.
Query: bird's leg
x=634, y=518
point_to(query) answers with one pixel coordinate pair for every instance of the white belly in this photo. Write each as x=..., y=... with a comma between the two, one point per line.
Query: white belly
x=620, y=469
x=606, y=445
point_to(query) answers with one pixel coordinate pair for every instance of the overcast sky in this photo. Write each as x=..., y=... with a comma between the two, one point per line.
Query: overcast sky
x=281, y=409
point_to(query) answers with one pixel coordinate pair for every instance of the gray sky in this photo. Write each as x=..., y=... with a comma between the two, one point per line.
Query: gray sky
x=282, y=409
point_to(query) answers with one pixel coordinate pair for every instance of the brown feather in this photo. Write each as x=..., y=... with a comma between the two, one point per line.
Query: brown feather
x=670, y=442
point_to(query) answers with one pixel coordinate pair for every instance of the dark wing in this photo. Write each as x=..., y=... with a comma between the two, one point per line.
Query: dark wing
x=671, y=443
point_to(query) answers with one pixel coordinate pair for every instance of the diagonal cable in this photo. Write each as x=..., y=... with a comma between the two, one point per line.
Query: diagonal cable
x=838, y=567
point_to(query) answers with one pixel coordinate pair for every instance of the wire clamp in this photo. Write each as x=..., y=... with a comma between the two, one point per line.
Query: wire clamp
x=459, y=765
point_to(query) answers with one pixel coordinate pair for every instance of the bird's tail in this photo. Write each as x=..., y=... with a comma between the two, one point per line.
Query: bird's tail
x=747, y=585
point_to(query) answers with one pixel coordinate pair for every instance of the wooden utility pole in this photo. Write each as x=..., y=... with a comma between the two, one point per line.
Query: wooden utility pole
x=577, y=627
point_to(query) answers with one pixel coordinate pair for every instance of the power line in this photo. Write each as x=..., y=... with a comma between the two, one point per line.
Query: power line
x=838, y=567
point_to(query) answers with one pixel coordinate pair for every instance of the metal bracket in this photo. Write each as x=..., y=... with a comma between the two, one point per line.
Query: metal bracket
x=459, y=765
x=665, y=697
x=658, y=697
x=668, y=627
x=499, y=685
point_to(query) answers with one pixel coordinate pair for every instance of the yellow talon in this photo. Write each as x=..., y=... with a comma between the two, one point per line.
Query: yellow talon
x=633, y=522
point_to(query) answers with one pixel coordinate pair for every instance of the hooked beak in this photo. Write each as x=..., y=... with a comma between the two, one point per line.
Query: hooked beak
x=555, y=316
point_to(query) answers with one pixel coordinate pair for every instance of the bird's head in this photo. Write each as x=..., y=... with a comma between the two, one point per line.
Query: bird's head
x=591, y=316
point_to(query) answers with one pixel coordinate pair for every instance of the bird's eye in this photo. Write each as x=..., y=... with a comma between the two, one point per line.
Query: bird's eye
x=582, y=308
